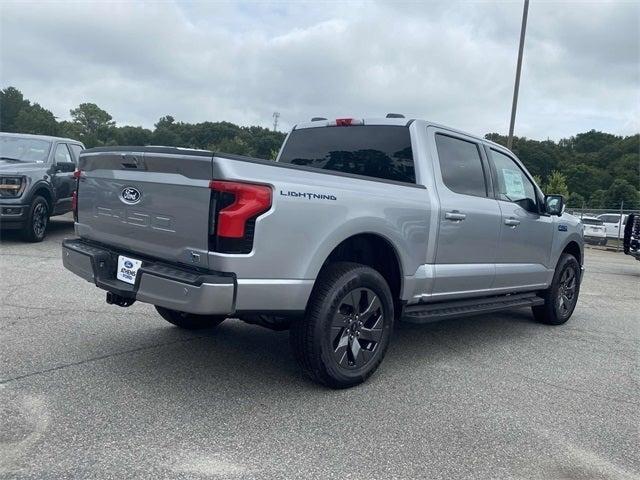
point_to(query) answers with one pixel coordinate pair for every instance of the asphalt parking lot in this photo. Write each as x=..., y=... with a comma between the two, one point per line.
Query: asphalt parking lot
x=89, y=390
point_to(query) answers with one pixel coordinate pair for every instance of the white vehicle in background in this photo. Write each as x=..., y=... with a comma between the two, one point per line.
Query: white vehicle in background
x=594, y=231
x=614, y=224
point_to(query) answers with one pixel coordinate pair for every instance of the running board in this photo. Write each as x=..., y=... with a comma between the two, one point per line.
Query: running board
x=431, y=312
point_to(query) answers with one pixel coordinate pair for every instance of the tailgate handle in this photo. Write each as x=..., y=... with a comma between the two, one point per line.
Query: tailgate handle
x=132, y=162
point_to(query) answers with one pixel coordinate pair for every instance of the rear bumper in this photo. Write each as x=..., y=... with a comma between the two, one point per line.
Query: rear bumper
x=157, y=283
x=595, y=238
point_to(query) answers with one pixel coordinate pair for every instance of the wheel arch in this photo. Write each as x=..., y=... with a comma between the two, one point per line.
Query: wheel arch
x=373, y=250
x=44, y=190
x=573, y=248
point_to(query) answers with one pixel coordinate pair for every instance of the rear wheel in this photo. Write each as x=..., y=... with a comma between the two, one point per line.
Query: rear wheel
x=561, y=297
x=35, y=227
x=189, y=321
x=344, y=335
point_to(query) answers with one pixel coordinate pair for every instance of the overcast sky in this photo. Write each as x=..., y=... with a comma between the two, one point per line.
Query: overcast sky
x=453, y=63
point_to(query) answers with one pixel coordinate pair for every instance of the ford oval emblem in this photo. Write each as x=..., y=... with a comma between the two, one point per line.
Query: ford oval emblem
x=128, y=264
x=130, y=195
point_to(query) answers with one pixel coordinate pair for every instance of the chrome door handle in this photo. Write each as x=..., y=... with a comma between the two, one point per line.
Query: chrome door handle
x=455, y=216
x=512, y=222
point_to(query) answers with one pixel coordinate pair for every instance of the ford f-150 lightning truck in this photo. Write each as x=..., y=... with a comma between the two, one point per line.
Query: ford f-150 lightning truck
x=357, y=224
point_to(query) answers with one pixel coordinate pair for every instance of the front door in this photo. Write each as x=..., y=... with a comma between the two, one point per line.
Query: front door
x=525, y=233
x=469, y=223
x=62, y=178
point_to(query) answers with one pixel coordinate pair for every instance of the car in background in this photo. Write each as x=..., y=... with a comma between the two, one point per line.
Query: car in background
x=631, y=240
x=36, y=181
x=614, y=224
x=594, y=231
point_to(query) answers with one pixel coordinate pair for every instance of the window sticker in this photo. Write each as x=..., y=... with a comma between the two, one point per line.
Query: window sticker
x=513, y=184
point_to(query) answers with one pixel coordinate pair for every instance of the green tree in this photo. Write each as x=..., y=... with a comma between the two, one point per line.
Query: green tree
x=557, y=184
x=585, y=179
x=91, y=118
x=137, y=136
x=622, y=191
x=597, y=199
x=37, y=120
x=11, y=102
x=538, y=180
x=575, y=200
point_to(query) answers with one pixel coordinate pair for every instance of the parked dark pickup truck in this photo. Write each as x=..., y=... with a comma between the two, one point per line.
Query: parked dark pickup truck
x=36, y=181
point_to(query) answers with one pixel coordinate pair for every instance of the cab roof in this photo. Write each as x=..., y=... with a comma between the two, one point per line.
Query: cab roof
x=400, y=122
x=47, y=138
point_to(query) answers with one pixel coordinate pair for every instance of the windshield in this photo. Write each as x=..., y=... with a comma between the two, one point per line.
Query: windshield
x=24, y=149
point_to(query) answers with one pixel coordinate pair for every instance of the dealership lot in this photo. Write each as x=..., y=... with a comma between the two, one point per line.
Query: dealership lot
x=92, y=390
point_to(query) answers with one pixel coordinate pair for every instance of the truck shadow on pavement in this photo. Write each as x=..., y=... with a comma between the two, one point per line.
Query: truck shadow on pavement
x=240, y=359
x=58, y=227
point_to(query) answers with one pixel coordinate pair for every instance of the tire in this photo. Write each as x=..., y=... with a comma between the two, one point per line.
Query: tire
x=345, y=332
x=35, y=227
x=562, y=296
x=189, y=321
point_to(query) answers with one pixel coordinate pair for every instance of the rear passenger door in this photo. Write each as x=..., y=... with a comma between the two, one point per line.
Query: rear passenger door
x=526, y=234
x=469, y=222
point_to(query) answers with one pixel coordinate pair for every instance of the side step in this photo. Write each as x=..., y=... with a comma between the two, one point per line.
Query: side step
x=431, y=312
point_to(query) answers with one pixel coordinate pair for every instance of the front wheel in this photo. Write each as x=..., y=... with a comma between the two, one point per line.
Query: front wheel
x=36, y=225
x=344, y=335
x=189, y=321
x=561, y=297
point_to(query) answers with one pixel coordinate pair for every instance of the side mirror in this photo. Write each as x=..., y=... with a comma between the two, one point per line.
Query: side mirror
x=554, y=204
x=64, y=167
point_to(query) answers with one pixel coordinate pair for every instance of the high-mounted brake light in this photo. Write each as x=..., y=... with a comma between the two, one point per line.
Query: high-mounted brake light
x=346, y=122
x=249, y=201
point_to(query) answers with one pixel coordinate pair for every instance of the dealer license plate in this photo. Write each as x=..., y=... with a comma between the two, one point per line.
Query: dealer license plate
x=128, y=269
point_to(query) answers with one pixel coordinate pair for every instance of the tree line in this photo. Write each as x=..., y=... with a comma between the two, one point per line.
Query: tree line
x=592, y=169
x=95, y=127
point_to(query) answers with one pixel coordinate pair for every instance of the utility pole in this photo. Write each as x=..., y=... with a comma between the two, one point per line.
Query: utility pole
x=516, y=87
x=275, y=115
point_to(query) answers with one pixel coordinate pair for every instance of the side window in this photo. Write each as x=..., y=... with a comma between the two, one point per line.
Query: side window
x=461, y=166
x=512, y=183
x=75, y=149
x=609, y=218
x=62, y=153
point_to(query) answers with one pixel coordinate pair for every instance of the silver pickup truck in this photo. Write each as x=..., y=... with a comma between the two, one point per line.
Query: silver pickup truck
x=357, y=224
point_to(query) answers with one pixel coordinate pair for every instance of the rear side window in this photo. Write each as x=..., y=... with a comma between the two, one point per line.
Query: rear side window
x=461, y=166
x=379, y=151
x=610, y=218
x=592, y=221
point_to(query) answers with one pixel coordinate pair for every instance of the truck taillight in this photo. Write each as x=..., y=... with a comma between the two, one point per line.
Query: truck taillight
x=77, y=174
x=74, y=204
x=236, y=206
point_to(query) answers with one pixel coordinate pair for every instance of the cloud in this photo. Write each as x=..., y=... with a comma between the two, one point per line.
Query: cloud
x=449, y=62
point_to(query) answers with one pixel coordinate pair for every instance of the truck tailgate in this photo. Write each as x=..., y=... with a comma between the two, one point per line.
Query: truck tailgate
x=154, y=202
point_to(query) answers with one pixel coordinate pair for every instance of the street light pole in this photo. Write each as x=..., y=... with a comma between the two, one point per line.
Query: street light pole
x=518, y=69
